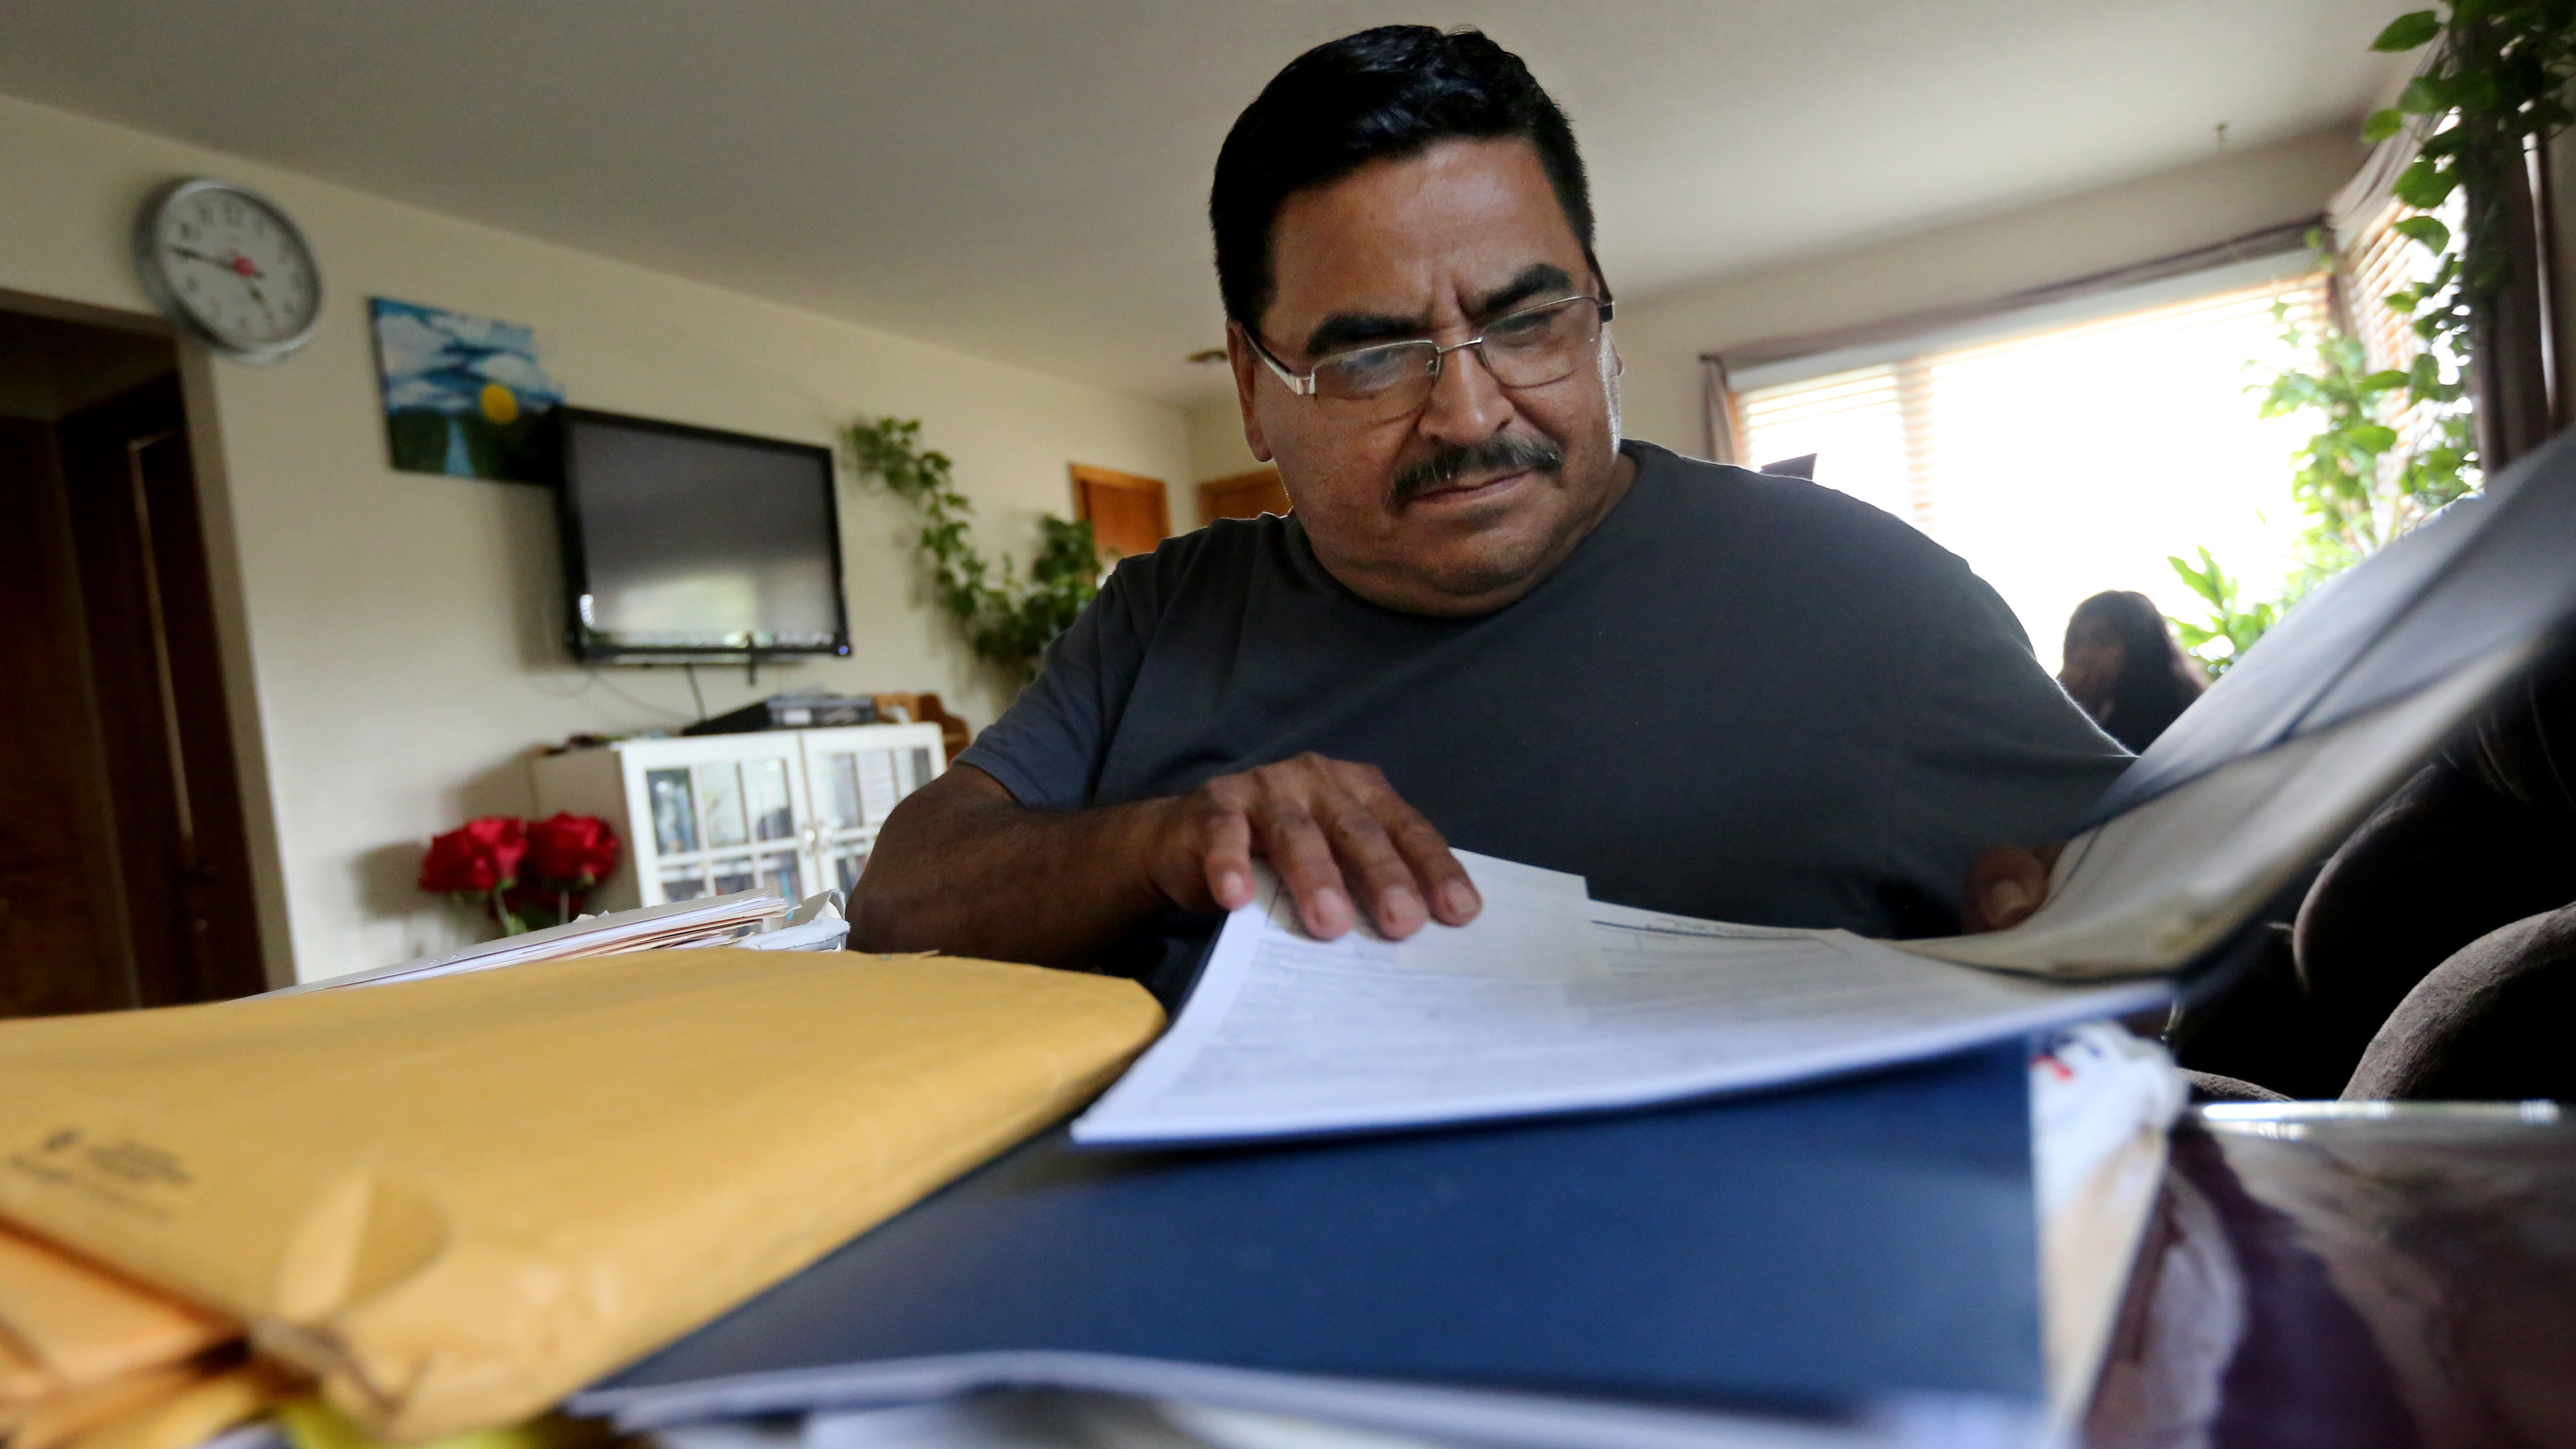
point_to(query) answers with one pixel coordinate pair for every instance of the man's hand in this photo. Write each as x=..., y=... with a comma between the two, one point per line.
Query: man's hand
x=963, y=867
x=1335, y=832
x=2005, y=885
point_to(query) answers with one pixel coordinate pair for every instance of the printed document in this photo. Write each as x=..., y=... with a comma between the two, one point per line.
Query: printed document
x=1547, y=1002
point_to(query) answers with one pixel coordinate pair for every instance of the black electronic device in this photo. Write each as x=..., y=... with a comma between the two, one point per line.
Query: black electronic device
x=686, y=544
x=790, y=712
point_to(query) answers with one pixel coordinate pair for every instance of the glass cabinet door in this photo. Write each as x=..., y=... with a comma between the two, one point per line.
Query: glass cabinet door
x=857, y=781
x=721, y=826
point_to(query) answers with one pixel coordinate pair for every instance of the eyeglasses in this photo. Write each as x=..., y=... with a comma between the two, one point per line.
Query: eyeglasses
x=1528, y=348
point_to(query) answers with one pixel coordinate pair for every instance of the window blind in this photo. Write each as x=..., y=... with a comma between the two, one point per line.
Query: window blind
x=2065, y=460
x=2380, y=261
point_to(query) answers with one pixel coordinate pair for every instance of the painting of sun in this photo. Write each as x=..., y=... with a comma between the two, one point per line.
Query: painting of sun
x=463, y=395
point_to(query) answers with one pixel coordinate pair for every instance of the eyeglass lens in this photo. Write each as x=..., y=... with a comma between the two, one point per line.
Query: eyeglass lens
x=1529, y=348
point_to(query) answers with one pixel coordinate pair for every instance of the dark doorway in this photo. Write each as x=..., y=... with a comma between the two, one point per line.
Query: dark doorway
x=124, y=857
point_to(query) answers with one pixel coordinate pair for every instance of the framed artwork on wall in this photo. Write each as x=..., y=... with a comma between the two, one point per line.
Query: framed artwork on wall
x=463, y=395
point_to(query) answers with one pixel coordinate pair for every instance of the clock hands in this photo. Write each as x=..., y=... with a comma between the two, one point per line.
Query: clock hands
x=265, y=289
x=236, y=263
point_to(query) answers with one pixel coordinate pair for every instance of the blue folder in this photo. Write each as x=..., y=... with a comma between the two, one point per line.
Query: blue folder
x=1804, y=1251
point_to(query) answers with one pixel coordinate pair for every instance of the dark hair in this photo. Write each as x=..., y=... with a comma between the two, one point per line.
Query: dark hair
x=1386, y=93
x=2157, y=680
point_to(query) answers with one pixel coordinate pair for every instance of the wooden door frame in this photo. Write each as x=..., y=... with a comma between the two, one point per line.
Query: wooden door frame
x=200, y=395
x=192, y=893
x=1085, y=475
x=1267, y=474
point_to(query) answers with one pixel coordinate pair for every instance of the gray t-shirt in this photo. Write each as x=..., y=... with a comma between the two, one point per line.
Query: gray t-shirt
x=1743, y=697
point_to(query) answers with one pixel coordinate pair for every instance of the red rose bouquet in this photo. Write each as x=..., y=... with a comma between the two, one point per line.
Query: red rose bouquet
x=521, y=871
x=567, y=856
x=478, y=861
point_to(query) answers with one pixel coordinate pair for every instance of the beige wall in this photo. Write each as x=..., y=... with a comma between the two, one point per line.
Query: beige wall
x=1217, y=449
x=1662, y=336
x=394, y=636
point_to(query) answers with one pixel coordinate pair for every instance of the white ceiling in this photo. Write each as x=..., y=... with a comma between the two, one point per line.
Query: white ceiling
x=1026, y=179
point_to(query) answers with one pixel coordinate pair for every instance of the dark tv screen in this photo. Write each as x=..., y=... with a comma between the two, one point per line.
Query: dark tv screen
x=683, y=542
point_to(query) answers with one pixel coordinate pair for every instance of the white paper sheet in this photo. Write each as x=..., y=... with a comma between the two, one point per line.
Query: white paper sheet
x=1547, y=1002
x=707, y=921
x=2156, y=887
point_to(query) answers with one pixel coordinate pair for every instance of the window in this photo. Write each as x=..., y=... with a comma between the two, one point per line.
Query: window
x=2380, y=261
x=2069, y=457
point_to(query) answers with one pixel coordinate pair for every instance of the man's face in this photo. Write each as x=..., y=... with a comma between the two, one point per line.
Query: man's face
x=1466, y=504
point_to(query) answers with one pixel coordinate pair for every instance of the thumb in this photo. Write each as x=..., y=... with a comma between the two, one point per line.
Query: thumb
x=2007, y=902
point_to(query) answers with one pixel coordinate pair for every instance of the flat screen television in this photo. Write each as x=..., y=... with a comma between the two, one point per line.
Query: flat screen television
x=684, y=544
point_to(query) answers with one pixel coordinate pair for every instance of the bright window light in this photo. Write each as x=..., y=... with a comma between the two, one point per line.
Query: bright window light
x=2066, y=461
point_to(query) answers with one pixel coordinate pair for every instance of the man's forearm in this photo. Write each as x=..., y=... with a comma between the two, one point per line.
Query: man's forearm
x=962, y=867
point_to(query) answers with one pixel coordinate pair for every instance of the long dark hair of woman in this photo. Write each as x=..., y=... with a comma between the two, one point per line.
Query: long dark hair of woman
x=2123, y=666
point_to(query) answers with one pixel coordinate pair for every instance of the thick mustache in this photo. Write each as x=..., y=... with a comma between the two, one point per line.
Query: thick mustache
x=1451, y=463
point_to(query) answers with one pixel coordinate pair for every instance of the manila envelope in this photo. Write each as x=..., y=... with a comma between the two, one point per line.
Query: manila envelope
x=456, y=1200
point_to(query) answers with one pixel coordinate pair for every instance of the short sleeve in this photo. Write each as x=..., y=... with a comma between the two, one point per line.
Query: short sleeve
x=1997, y=754
x=1047, y=748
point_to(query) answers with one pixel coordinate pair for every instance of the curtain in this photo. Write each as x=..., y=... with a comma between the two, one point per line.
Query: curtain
x=1723, y=430
x=2265, y=242
x=2509, y=342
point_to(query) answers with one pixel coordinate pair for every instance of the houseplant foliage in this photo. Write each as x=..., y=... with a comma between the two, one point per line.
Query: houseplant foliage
x=2359, y=481
x=2359, y=488
x=1008, y=621
x=2234, y=622
x=2498, y=75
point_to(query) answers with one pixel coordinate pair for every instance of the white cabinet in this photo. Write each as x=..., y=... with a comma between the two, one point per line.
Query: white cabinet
x=793, y=811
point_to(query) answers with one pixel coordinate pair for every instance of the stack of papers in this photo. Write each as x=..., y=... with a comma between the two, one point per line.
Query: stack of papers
x=714, y=921
x=1548, y=1001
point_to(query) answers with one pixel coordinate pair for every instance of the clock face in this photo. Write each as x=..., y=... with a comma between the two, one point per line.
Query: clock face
x=230, y=268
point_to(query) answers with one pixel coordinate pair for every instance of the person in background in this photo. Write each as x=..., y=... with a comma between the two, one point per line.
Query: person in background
x=2123, y=666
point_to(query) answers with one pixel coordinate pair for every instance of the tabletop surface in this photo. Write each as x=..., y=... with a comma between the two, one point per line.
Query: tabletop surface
x=2353, y=1276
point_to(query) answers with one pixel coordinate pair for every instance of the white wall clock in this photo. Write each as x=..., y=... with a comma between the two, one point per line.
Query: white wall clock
x=229, y=268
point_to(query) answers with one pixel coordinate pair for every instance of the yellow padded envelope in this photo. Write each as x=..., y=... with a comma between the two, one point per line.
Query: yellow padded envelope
x=457, y=1200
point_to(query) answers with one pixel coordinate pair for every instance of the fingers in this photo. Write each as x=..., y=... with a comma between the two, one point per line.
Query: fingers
x=2005, y=885
x=1228, y=861
x=1426, y=856
x=1304, y=859
x=1358, y=810
x=1342, y=841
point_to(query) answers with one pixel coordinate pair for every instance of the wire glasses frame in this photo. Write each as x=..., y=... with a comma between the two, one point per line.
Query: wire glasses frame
x=1531, y=347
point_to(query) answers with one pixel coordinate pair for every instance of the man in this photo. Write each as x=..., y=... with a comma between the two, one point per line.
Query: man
x=1487, y=621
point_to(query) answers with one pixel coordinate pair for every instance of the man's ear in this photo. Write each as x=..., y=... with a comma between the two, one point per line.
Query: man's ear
x=1247, y=371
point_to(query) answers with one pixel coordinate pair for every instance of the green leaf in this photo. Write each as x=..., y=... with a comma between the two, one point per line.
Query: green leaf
x=2424, y=96
x=2424, y=185
x=2372, y=438
x=2425, y=229
x=2382, y=381
x=2408, y=31
x=2382, y=125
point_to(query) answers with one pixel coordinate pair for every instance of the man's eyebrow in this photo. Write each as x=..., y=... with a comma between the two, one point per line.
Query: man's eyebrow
x=1355, y=329
x=1538, y=279
x=1352, y=329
